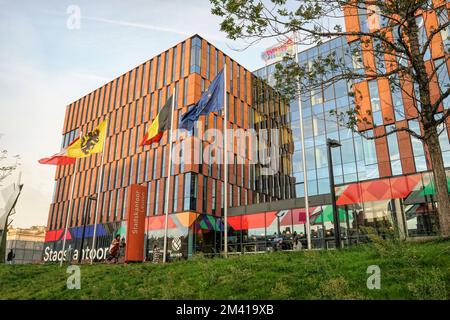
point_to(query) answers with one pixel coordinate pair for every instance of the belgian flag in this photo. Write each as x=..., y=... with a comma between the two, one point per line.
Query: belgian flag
x=159, y=124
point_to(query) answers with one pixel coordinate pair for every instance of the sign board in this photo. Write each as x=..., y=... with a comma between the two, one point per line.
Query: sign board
x=277, y=52
x=136, y=208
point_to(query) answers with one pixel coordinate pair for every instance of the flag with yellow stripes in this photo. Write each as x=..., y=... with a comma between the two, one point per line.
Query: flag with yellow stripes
x=90, y=143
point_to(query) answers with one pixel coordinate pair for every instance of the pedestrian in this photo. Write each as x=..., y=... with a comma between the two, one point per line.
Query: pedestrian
x=297, y=243
x=10, y=257
x=122, y=247
x=280, y=245
x=114, y=249
x=156, y=254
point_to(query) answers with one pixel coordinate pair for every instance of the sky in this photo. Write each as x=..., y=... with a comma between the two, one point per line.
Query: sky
x=45, y=65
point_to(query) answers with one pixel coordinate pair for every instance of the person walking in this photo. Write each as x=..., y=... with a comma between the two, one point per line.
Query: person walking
x=10, y=257
x=114, y=249
x=122, y=248
x=297, y=243
x=156, y=254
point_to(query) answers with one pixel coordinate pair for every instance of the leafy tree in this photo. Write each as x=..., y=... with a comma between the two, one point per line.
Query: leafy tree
x=388, y=42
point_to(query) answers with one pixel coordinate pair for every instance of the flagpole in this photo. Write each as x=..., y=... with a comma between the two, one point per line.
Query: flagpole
x=169, y=174
x=99, y=185
x=302, y=140
x=225, y=166
x=69, y=212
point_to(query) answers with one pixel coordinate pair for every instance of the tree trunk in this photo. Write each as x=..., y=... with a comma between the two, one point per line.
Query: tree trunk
x=3, y=246
x=440, y=180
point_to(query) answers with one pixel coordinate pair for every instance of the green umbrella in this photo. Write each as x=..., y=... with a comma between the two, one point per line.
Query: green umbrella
x=327, y=213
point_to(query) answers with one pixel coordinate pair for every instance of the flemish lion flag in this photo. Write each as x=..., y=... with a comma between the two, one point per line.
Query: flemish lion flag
x=159, y=124
x=90, y=143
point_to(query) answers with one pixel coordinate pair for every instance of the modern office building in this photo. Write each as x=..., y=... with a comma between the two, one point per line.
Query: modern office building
x=195, y=204
x=383, y=185
x=27, y=244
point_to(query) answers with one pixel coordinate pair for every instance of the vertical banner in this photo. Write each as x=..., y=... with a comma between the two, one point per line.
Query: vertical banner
x=136, y=207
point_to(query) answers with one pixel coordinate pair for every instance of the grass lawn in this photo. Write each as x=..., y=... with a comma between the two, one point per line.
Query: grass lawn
x=408, y=271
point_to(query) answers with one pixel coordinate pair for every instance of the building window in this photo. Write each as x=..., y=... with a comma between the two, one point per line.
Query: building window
x=370, y=156
x=131, y=180
x=148, y=198
x=213, y=195
x=185, y=91
x=190, y=191
x=99, y=96
x=443, y=79
x=238, y=196
x=196, y=55
x=442, y=14
x=444, y=142
x=216, y=62
x=417, y=98
x=362, y=14
x=417, y=146
x=124, y=172
x=174, y=59
x=166, y=63
x=245, y=87
x=397, y=100
x=136, y=87
x=150, y=71
x=158, y=64
x=110, y=204
x=423, y=38
x=165, y=195
x=175, y=194
x=159, y=100
x=129, y=93
x=183, y=49
x=146, y=166
x=176, y=92
x=378, y=52
x=238, y=80
x=356, y=56
x=155, y=161
x=117, y=178
x=375, y=102
x=124, y=203
x=156, y=200
x=142, y=79
x=231, y=76
x=163, y=161
x=116, y=211
x=208, y=53
x=141, y=104
x=400, y=57
x=205, y=193
x=394, y=153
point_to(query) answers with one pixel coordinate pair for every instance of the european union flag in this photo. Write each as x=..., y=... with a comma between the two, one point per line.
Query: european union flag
x=211, y=100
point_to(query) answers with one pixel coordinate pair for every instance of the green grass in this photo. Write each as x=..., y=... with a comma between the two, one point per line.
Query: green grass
x=408, y=271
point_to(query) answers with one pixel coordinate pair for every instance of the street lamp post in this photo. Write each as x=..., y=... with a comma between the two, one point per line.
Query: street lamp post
x=331, y=143
x=88, y=210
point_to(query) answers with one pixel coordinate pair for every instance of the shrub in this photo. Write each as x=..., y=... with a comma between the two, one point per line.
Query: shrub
x=429, y=284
